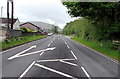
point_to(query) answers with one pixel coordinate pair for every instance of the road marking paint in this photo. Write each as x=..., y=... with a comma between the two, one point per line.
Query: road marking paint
x=68, y=63
x=55, y=71
x=31, y=53
x=41, y=53
x=65, y=43
x=21, y=52
x=68, y=47
x=73, y=54
x=86, y=72
x=54, y=60
x=51, y=42
x=22, y=75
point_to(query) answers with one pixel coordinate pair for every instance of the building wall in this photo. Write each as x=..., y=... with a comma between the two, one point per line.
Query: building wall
x=11, y=33
x=16, y=25
x=30, y=26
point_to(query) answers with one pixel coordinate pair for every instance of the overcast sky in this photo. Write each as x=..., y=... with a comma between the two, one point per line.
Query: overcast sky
x=48, y=11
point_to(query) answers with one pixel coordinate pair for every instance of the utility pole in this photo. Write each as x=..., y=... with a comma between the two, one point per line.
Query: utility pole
x=8, y=14
x=12, y=14
x=1, y=11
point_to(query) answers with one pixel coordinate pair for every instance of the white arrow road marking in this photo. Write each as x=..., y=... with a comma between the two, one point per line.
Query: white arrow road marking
x=26, y=70
x=54, y=60
x=31, y=53
x=55, y=71
x=68, y=63
x=21, y=52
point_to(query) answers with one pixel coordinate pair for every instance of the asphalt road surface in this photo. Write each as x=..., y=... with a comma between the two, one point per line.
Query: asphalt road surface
x=58, y=57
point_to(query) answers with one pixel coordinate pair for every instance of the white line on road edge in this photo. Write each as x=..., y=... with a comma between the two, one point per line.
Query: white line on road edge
x=31, y=53
x=41, y=53
x=21, y=52
x=22, y=75
x=86, y=73
x=68, y=47
x=73, y=54
x=54, y=60
x=68, y=63
x=55, y=71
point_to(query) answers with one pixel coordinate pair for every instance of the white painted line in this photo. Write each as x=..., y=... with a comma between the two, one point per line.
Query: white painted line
x=65, y=42
x=55, y=71
x=22, y=75
x=86, y=72
x=73, y=54
x=54, y=60
x=68, y=63
x=68, y=47
x=32, y=53
x=41, y=53
x=21, y=52
x=51, y=42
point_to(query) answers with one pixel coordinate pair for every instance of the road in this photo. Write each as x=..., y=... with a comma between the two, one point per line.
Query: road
x=59, y=57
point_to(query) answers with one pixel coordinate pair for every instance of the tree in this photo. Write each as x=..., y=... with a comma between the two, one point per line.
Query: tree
x=104, y=15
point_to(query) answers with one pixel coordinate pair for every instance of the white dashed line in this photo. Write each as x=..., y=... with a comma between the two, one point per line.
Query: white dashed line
x=51, y=42
x=41, y=53
x=55, y=71
x=86, y=72
x=73, y=54
x=68, y=47
x=22, y=75
x=65, y=43
x=68, y=63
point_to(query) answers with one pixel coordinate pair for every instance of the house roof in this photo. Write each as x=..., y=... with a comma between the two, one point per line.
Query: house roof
x=31, y=24
x=40, y=24
x=4, y=20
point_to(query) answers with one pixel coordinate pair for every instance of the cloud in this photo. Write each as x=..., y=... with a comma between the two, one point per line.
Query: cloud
x=49, y=11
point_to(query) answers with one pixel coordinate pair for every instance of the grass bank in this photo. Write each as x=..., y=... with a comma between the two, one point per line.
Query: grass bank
x=14, y=41
x=106, y=48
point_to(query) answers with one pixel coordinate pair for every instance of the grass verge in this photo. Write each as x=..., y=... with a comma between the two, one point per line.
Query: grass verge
x=15, y=41
x=106, y=48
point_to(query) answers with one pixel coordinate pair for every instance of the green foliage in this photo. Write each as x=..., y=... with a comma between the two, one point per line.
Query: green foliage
x=81, y=28
x=104, y=16
x=105, y=49
x=54, y=30
x=25, y=30
x=14, y=41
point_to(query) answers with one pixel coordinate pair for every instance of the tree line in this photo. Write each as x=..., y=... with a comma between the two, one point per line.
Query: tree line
x=100, y=21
